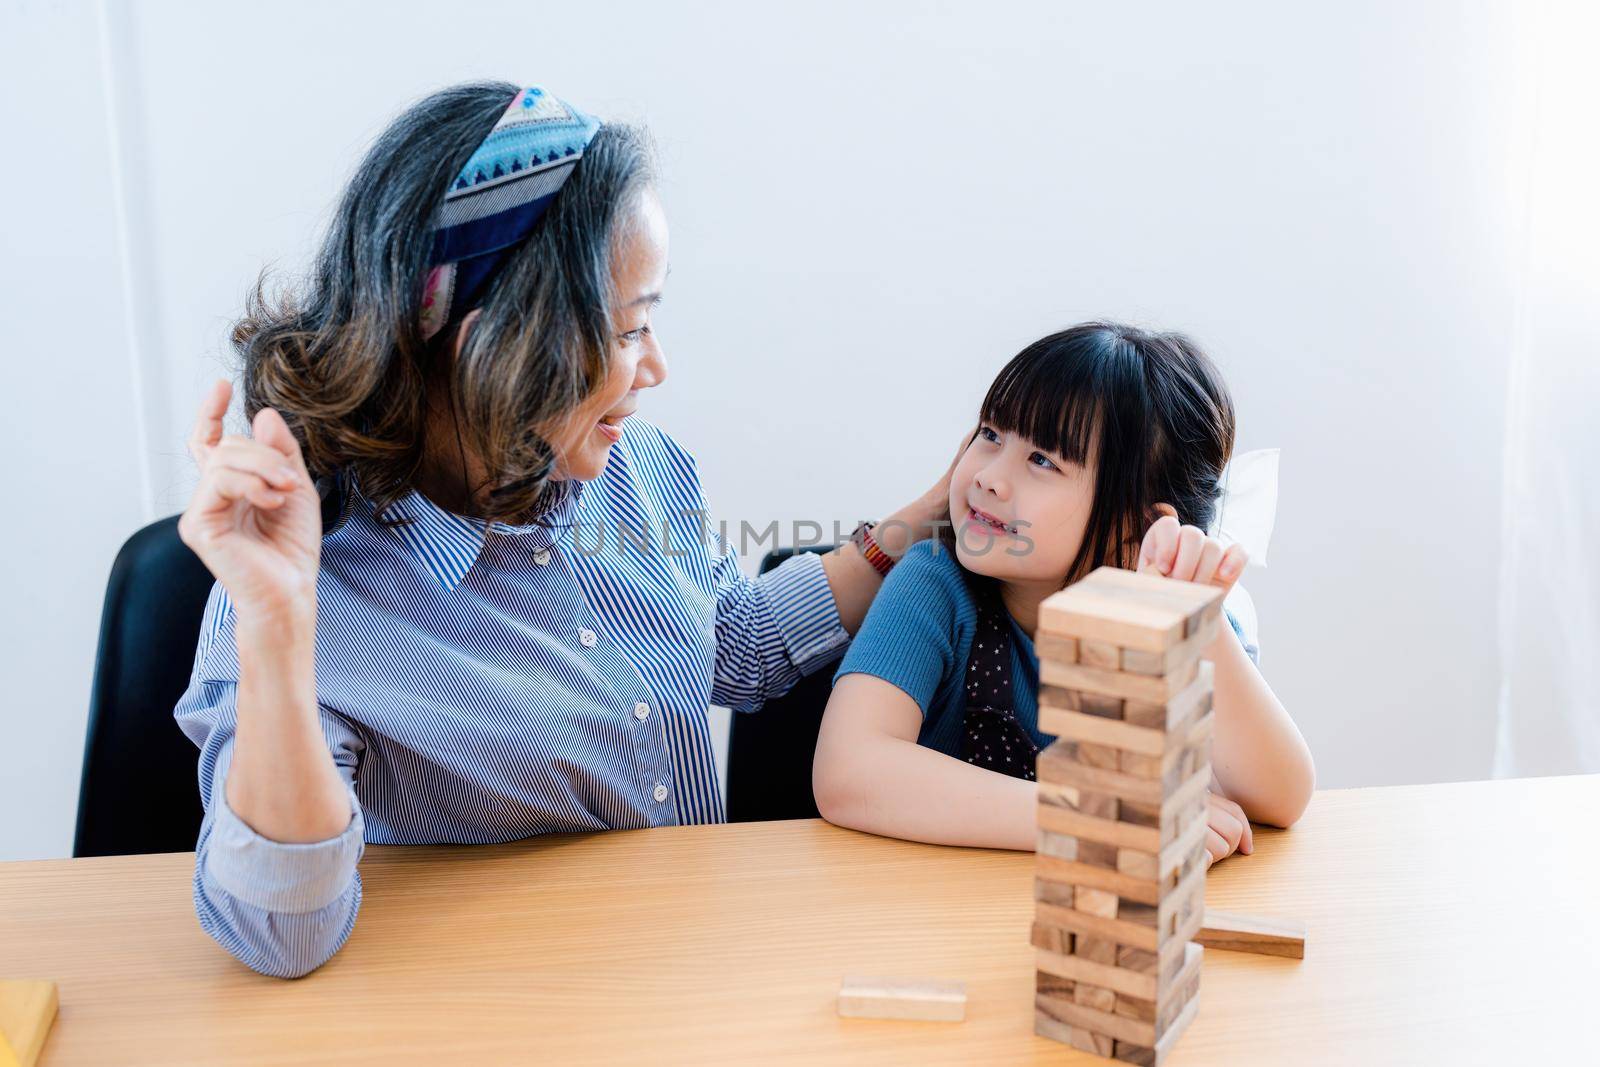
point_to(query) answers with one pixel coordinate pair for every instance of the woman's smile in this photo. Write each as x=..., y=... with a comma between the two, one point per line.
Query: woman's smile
x=610, y=427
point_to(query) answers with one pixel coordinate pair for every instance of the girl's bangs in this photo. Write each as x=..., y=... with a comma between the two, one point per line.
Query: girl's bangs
x=1054, y=402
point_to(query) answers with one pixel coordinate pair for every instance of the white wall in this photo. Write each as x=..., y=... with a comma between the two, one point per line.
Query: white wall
x=872, y=209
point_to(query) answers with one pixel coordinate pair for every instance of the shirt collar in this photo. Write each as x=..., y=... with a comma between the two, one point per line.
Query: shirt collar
x=448, y=544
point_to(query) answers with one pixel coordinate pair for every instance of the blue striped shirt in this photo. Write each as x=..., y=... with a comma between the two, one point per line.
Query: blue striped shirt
x=481, y=683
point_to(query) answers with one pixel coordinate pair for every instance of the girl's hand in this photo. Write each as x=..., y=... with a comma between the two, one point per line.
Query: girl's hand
x=255, y=520
x=1186, y=553
x=1227, y=829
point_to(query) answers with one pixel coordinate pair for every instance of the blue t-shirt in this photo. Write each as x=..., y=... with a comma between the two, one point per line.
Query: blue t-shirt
x=918, y=636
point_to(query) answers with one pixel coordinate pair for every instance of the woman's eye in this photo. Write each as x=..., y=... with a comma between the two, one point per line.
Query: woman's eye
x=633, y=336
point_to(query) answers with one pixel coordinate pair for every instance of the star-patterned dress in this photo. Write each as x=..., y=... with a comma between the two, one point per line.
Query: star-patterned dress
x=993, y=737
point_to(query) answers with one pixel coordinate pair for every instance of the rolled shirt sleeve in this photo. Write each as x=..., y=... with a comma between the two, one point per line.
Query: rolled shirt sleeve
x=771, y=630
x=280, y=908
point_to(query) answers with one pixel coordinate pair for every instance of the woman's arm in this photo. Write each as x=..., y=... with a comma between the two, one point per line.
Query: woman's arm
x=282, y=830
x=281, y=908
x=870, y=774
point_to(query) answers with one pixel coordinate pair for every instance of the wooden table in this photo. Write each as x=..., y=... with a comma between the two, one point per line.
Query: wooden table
x=1449, y=923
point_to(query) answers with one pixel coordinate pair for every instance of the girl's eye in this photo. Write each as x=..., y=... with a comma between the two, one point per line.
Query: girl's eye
x=1043, y=459
x=987, y=434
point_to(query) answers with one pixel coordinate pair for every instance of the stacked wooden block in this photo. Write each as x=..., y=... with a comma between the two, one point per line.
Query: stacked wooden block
x=1120, y=887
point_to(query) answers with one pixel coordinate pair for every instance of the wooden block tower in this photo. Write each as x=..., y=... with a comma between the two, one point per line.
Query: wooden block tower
x=1120, y=886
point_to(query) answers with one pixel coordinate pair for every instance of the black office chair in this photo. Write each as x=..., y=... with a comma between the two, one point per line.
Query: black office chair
x=139, y=792
x=769, y=751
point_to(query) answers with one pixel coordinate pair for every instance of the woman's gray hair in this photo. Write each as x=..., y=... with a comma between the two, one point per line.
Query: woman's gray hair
x=342, y=357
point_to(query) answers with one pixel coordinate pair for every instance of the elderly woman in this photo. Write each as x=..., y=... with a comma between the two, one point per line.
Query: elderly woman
x=462, y=594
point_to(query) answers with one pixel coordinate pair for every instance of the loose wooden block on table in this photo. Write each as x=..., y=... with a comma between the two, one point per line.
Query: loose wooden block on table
x=896, y=998
x=1260, y=934
x=27, y=1008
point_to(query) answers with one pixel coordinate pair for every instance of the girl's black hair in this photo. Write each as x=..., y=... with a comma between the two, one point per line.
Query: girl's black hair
x=1150, y=409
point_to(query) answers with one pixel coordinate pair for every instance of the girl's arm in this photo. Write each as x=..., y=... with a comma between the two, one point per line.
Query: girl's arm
x=870, y=774
x=1258, y=756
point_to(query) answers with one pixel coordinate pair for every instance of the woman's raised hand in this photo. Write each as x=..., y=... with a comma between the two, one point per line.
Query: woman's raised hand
x=255, y=520
x=1187, y=553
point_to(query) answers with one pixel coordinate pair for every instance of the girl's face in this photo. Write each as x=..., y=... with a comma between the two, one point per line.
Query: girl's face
x=639, y=271
x=1018, y=511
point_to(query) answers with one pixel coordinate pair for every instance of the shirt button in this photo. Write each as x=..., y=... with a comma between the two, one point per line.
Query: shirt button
x=542, y=557
x=660, y=793
x=586, y=638
x=641, y=711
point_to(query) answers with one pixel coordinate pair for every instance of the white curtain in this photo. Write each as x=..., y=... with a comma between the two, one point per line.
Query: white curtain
x=1549, y=702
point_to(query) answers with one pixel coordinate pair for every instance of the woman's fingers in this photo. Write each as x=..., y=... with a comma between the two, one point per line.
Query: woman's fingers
x=238, y=485
x=208, y=423
x=242, y=454
x=270, y=429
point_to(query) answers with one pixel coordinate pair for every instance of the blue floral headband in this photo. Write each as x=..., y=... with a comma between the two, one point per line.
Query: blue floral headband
x=494, y=202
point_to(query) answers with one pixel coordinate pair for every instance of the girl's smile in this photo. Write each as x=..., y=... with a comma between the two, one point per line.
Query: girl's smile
x=988, y=524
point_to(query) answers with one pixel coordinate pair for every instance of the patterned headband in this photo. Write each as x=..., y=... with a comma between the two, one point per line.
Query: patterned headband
x=496, y=199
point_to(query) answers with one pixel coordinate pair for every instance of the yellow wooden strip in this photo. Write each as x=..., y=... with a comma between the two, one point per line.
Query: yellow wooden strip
x=27, y=1008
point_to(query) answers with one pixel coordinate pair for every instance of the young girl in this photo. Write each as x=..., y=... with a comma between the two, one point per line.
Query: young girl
x=1099, y=445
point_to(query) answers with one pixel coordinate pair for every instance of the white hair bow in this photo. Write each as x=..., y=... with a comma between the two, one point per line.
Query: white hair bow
x=1246, y=510
x=1248, y=505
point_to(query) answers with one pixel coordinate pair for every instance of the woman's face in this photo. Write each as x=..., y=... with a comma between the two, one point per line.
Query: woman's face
x=639, y=271
x=1018, y=511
